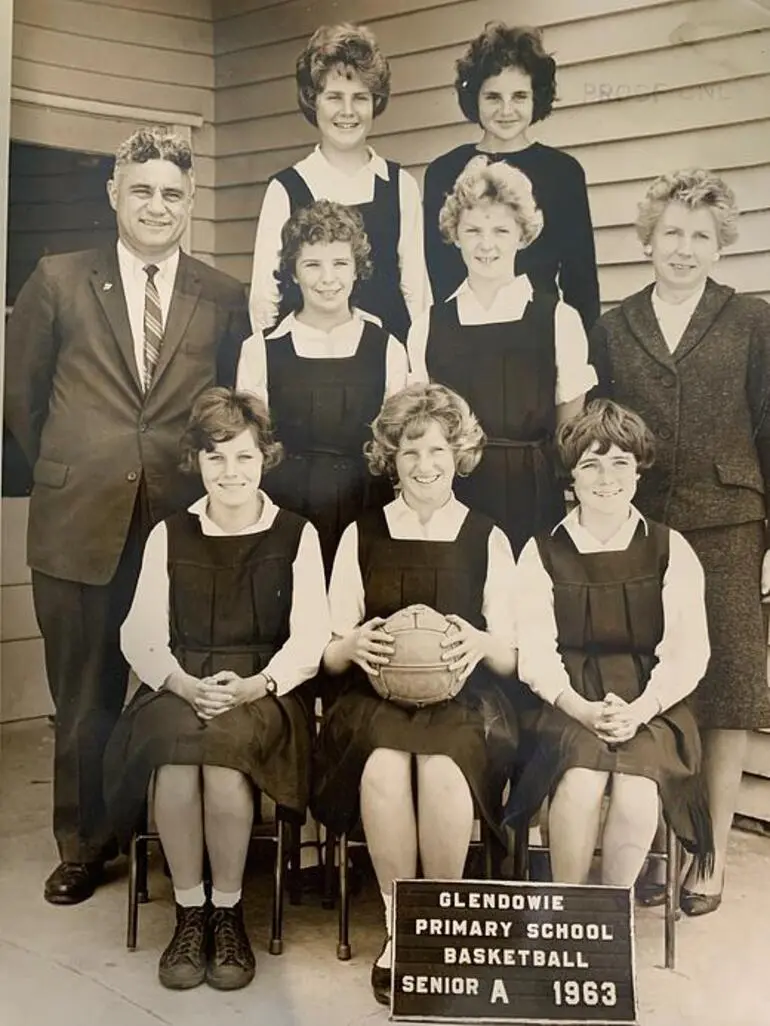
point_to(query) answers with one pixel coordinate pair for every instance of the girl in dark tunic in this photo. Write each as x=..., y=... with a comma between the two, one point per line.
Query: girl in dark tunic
x=324, y=372
x=229, y=617
x=518, y=355
x=613, y=638
x=425, y=547
x=505, y=83
x=343, y=83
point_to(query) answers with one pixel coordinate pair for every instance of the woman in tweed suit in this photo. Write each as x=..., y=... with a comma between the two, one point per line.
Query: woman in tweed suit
x=693, y=358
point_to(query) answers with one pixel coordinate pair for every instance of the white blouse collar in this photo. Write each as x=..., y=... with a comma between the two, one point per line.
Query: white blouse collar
x=269, y=512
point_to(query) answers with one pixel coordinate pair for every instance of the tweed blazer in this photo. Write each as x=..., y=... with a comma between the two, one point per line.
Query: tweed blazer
x=706, y=403
x=75, y=403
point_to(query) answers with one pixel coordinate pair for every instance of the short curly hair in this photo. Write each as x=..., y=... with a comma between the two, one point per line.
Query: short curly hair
x=605, y=423
x=219, y=414
x=323, y=221
x=351, y=48
x=485, y=181
x=155, y=143
x=409, y=413
x=693, y=187
x=498, y=47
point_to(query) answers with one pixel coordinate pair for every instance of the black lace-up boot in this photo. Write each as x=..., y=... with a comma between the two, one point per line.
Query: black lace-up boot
x=183, y=963
x=231, y=960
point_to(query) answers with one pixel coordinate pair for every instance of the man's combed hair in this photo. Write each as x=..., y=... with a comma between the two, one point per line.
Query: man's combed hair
x=219, y=414
x=693, y=187
x=410, y=412
x=154, y=143
x=605, y=423
x=499, y=47
x=484, y=181
x=351, y=49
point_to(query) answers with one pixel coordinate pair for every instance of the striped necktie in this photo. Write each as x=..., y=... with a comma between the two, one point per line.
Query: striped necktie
x=153, y=325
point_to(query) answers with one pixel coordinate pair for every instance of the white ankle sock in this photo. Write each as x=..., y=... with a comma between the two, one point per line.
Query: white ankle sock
x=192, y=897
x=384, y=960
x=223, y=899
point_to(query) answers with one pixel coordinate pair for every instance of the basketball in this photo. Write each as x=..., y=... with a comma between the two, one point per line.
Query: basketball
x=416, y=674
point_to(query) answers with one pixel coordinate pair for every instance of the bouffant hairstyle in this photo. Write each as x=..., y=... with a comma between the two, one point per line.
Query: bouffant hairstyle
x=484, y=181
x=694, y=187
x=409, y=413
x=323, y=221
x=154, y=143
x=219, y=414
x=351, y=49
x=605, y=423
x=499, y=47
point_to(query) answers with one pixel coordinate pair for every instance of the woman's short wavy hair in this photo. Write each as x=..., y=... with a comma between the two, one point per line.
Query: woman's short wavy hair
x=499, y=47
x=323, y=221
x=485, y=181
x=605, y=423
x=409, y=413
x=219, y=414
x=353, y=50
x=694, y=187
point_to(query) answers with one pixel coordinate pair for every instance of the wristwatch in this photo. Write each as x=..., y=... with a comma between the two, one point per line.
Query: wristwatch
x=270, y=685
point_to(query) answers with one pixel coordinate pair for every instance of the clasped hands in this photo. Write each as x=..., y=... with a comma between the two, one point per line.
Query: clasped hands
x=370, y=647
x=613, y=720
x=218, y=693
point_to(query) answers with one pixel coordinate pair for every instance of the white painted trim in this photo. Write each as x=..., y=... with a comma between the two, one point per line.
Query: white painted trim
x=100, y=108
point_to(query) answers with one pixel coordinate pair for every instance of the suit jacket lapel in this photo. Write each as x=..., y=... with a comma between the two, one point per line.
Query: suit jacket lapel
x=108, y=289
x=184, y=299
x=706, y=312
x=644, y=324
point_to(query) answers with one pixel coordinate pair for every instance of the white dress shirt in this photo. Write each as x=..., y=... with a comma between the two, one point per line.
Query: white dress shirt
x=328, y=182
x=574, y=374
x=314, y=344
x=346, y=588
x=144, y=636
x=683, y=651
x=134, y=279
x=673, y=318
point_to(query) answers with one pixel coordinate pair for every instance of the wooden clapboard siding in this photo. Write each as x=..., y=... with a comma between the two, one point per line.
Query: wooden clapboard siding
x=151, y=55
x=643, y=87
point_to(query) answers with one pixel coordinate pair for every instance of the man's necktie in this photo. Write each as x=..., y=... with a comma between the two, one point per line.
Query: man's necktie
x=153, y=325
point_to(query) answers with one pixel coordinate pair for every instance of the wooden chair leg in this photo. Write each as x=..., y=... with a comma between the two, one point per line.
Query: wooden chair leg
x=329, y=884
x=294, y=862
x=672, y=896
x=343, y=941
x=276, y=939
x=133, y=897
x=142, y=889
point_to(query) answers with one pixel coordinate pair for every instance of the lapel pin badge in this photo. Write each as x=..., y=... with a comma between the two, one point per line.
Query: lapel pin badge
x=106, y=286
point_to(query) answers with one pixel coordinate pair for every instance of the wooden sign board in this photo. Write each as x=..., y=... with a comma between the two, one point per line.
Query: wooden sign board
x=503, y=952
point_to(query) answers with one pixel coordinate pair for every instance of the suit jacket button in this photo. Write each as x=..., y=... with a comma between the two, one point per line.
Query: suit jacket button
x=142, y=426
x=666, y=433
x=131, y=475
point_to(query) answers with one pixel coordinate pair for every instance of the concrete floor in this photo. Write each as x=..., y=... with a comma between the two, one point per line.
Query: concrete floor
x=69, y=966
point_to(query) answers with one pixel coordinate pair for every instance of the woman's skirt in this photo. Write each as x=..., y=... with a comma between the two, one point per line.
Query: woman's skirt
x=269, y=741
x=666, y=750
x=478, y=730
x=734, y=693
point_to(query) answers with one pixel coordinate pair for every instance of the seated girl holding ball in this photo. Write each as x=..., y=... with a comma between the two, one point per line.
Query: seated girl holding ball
x=613, y=638
x=423, y=547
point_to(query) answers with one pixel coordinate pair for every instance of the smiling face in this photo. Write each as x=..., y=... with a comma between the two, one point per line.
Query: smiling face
x=344, y=112
x=426, y=468
x=505, y=110
x=685, y=248
x=488, y=236
x=232, y=472
x=326, y=274
x=605, y=483
x=152, y=203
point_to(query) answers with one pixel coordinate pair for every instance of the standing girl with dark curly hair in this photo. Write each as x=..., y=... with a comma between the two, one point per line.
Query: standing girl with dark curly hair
x=343, y=83
x=324, y=370
x=506, y=83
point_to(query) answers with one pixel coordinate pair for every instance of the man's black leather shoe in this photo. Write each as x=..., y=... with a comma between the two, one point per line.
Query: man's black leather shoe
x=72, y=882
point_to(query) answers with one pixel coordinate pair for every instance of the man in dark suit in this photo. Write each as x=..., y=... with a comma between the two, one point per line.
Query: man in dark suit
x=106, y=352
